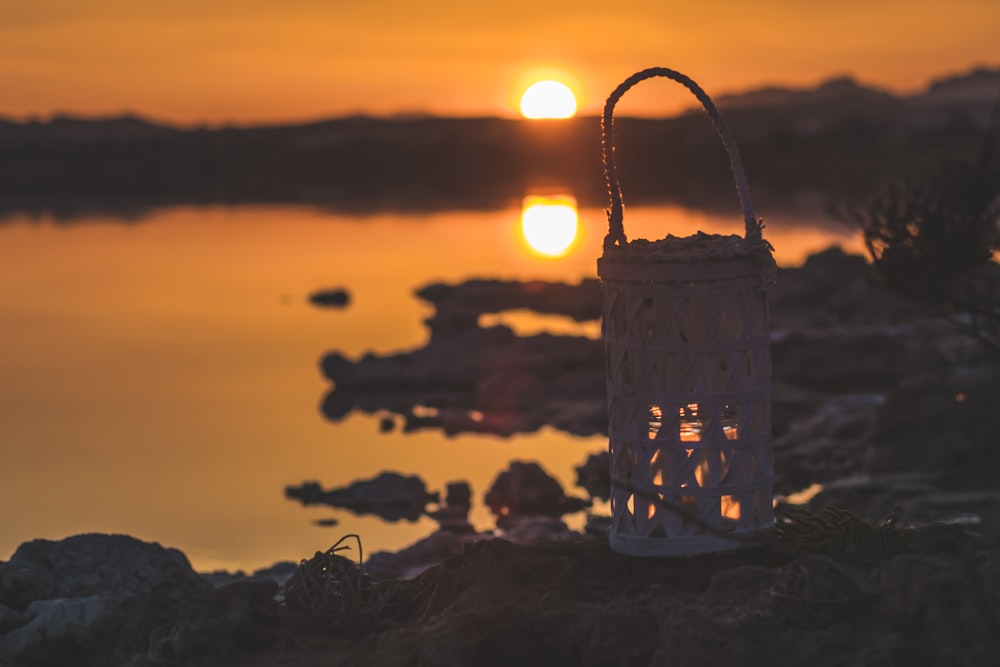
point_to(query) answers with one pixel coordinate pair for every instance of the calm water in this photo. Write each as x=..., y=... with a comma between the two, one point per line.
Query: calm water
x=161, y=378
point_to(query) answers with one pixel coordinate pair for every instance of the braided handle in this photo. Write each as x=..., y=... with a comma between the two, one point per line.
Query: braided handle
x=616, y=232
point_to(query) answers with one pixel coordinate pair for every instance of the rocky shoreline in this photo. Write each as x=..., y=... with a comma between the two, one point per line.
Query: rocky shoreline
x=929, y=596
x=887, y=552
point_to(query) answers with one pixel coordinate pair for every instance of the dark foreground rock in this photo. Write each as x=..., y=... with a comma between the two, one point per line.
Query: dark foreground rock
x=88, y=599
x=414, y=559
x=278, y=573
x=927, y=454
x=817, y=595
x=932, y=601
x=218, y=628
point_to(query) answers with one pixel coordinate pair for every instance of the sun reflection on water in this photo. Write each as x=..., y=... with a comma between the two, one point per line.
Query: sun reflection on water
x=550, y=224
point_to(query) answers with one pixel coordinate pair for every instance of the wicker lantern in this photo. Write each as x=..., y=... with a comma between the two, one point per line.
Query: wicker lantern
x=685, y=327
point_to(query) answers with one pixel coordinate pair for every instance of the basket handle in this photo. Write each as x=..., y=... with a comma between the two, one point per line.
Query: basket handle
x=616, y=232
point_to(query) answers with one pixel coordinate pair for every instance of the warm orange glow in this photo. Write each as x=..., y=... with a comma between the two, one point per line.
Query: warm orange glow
x=192, y=61
x=701, y=472
x=730, y=508
x=657, y=469
x=205, y=311
x=191, y=334
x=802, y=497
x=550, y=224
x=548, y=99
x=691, y=424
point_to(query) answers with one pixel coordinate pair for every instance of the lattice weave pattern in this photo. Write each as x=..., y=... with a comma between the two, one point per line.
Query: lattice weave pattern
x=688, y=390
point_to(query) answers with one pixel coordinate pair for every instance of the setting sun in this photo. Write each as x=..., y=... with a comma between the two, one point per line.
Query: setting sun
x=548, y=99
x=549, y=224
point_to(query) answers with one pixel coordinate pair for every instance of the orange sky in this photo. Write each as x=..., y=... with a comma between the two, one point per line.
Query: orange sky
x=244, y=61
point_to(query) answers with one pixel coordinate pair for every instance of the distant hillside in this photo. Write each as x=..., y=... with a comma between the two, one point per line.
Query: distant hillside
x=840, y=138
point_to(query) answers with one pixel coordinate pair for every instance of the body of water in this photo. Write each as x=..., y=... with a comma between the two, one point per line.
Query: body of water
x=160, y=377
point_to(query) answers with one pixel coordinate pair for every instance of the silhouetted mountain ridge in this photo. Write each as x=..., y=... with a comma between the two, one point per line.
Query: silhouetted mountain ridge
x=840, y=138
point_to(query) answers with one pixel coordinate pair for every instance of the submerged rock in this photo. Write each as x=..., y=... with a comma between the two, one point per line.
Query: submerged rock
x=526, y=490
x=835, y=329
x=453, y=516
x=594, y=475
x=467, y=301
x=330, y=298
x=458, y=494
x=389, y=495
x=500, y=383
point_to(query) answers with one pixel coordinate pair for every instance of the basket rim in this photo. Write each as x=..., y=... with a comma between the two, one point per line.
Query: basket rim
x=724, y=268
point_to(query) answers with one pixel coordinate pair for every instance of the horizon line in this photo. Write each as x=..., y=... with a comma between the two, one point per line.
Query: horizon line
x=415, y=115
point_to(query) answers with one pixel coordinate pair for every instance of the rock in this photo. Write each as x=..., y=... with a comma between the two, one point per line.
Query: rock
x=330, y=298
x=493, y=602
x=941, y=424
x=57, y=628
x=307, y=493
x=835, y=289
x=835, y=328
x=93, y=564
x=525, y=489
x=532, y=529
x=866, y=359
x=386, y=425
x=595, y=475
x=814, y=592
x=219, y=627
x=453, y=519
x=278, y=573
x=453, y=516
x=826, y=445
x=945, y=611
x=328, y=522
x=791, y=403
x=744, y=587
x=918, y=455
x=10, y=619
x=389, y=495
x=500, y=383
x=89, y=597
x=467, y=301
x=414, y=559
x=458, y=494
x=597, y=525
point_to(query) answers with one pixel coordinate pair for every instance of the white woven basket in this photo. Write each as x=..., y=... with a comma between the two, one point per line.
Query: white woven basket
x=686, y=336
